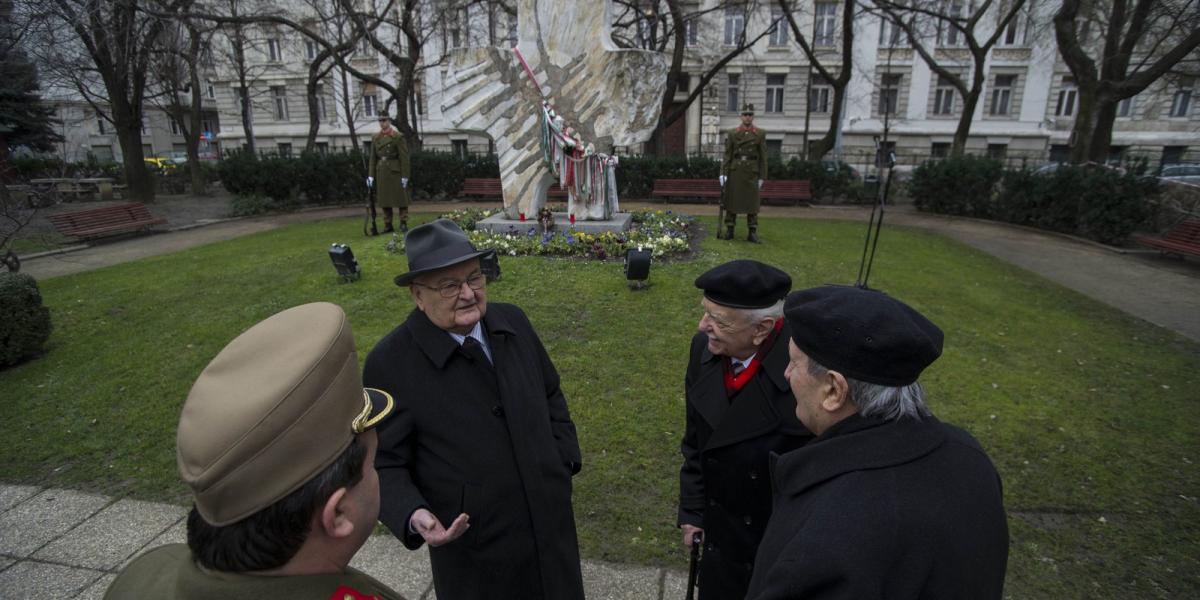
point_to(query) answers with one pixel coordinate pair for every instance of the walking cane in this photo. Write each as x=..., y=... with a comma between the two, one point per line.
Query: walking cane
x=691, y=589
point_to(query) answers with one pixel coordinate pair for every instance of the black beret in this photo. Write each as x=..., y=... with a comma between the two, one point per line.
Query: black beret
x=744, y=284
x=863, y=334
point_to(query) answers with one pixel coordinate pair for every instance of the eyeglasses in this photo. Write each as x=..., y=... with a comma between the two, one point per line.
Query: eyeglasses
x=450, y=289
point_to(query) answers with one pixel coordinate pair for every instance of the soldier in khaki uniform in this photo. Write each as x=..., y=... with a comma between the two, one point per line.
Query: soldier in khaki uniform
x=390, y=167
x=277, y=443
x=743, y=172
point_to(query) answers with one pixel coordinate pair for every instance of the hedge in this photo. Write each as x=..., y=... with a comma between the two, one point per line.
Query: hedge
x=24, y=321
x=1095, y=202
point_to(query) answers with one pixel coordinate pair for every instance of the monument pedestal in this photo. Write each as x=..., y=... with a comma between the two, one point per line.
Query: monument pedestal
x=500, y=223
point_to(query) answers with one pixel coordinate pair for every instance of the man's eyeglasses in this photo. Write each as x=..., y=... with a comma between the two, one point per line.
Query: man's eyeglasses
x=450, y=289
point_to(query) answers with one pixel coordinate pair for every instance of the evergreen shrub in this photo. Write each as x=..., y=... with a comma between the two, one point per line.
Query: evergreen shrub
x=24, y=321
x=960, y=185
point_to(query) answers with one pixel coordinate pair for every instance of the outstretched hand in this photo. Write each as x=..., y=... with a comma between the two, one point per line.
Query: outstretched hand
x=430, y=528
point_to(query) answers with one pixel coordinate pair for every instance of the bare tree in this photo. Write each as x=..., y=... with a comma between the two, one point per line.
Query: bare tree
x=978, y=28
x=177, y=89
x=838, y=82
x=1137, y=42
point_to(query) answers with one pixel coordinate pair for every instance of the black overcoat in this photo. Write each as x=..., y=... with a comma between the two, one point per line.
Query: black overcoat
x=885, y=509
x=496, y=443
x=724, y=484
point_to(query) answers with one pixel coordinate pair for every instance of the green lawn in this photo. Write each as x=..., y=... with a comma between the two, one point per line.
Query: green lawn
x=1090, y=415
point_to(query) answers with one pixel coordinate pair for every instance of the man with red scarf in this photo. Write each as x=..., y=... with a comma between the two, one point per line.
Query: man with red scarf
x=740, y=408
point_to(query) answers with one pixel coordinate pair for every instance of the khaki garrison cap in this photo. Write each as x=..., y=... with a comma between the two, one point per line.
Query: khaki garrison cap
x=275, y=407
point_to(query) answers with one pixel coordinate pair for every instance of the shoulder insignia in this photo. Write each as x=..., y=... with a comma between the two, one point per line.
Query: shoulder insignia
x=345, y=592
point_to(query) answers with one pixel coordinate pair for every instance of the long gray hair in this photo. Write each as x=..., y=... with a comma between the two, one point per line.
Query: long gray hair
x=887, y=402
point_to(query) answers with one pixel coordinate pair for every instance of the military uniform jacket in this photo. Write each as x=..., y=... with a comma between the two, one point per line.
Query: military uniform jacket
x=875, y=509
x=724, y=484
x=390, y=161
x=745, y=163
x=496, y=443
x=168, y=572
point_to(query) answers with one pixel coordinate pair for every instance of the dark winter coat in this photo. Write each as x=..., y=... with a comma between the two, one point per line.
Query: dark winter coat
x=885, y=509
x=496, y=443
x=390, y=163
x=745, y=163
x=724, y=485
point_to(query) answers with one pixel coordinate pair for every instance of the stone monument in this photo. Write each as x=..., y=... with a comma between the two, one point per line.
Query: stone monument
x=601, y=95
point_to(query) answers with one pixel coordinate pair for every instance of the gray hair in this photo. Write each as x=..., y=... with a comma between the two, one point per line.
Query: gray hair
x=886, y=402
x=754, y=315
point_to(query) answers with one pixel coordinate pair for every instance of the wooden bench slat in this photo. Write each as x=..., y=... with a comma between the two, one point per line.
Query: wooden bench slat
x=1183, y=238
x=95, y=222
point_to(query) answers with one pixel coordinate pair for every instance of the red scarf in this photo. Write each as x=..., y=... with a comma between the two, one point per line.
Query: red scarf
x=735, y=383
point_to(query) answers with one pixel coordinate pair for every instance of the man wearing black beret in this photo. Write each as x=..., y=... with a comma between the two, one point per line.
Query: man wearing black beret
x=887, y=501
x=739, y=410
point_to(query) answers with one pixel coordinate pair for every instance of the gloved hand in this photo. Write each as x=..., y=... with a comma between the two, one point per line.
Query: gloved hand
x=760, y=184
x=722, y=180
x=404, y=182
x=370, y=181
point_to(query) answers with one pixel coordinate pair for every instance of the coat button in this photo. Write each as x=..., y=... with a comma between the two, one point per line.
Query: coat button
x=747, y=520
x=753, y=474
x=712, y=502
x=498, y=411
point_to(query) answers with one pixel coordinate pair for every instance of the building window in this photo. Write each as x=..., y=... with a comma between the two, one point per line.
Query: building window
x=889, y=94
x=322, y=107
x=684, y=84
x=310, y=49
x=691, y=32
x=142, y=126
x=890, y=33
x=210, y=90
x=1002, y=94
x=323, y=147
x=101, y=128
x=819, y=92
x=997, y=151
x=735, y=25
x=1173, y=155
x=1066, y=98
x=824, y=23
x=731, y=93
x=208, y=127
x=943, y=98
x=775, y=148
x=459, y=148
x=775, y=84
x=175, y=129
x=1182, y=100
x=939, y=150
x=779, y=27
x=1116, y=155
x=103, y=153
x=273, y=50
x=369, y=105
x=949, y=35
x=279, y=99
x=1125, y=107
x=285, y=149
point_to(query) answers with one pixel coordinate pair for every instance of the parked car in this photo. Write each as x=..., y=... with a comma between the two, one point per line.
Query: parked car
x=158, y=163
x=1181, y=173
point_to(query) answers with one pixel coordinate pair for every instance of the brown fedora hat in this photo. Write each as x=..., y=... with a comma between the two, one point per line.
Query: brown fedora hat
x=434, y=246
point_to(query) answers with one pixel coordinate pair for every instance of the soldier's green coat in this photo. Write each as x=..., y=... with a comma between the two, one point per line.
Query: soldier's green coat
x=745, y=163
x=169, y=572
x=390, y=161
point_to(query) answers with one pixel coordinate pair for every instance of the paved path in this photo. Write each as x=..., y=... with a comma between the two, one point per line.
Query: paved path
x=1162, y=290
x=67, y=544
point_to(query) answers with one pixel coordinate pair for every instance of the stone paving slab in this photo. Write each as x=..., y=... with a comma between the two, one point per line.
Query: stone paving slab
x=44, y=517
x=674, y=586
x=386, y=559
x=5, y=562
x=603, y=581
x=32, y=579
x=12, y=495
x=115, y=533
x=97, y=589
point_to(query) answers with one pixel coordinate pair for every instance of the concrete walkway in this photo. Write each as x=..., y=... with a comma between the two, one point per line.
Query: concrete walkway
x=67, y=544
x=1162, y=290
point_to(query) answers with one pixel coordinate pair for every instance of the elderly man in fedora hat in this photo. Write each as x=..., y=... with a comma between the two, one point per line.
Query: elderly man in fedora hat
x=739, y=409
x=277, y=443
x=389, y=170
x=743, y=172
x=479, y=459
x=887, y=501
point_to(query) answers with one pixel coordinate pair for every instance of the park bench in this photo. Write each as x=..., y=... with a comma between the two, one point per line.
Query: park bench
x=686, y=188
x=109, y=220
x=489, y=187
x=1181, y=239
x=792, y=191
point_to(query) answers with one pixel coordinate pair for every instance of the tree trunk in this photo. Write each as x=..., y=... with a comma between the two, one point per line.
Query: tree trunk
x=1106, y=114
x=1086, y=122
x=128, y=124
x=314, y=117
x=822, y=146
x=963, y=131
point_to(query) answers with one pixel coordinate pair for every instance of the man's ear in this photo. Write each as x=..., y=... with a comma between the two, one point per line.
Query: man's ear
x=835, y=392
x=334, y=520
x=762, y=329
x=416, y=296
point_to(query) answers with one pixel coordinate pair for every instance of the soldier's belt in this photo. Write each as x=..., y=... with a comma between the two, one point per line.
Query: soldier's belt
x=745, y=157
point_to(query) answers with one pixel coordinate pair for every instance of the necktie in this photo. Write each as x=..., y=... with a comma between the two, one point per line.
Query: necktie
x=738, y=368
x=475, y=350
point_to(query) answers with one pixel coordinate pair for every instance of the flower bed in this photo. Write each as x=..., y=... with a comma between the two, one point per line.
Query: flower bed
x=663, y=232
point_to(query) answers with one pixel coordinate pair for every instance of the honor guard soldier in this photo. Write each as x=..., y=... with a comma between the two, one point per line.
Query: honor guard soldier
x=743, y=173
x=390, y=169
x=277, y=443
x=739, y=410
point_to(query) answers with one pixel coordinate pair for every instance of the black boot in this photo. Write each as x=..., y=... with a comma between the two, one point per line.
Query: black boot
x=403, y=226
x=729, y=233
x=387, y=228
x=753, y=237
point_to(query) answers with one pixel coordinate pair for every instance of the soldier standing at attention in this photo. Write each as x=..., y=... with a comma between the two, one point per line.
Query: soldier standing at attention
x=745, y=168
x=390, y=166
